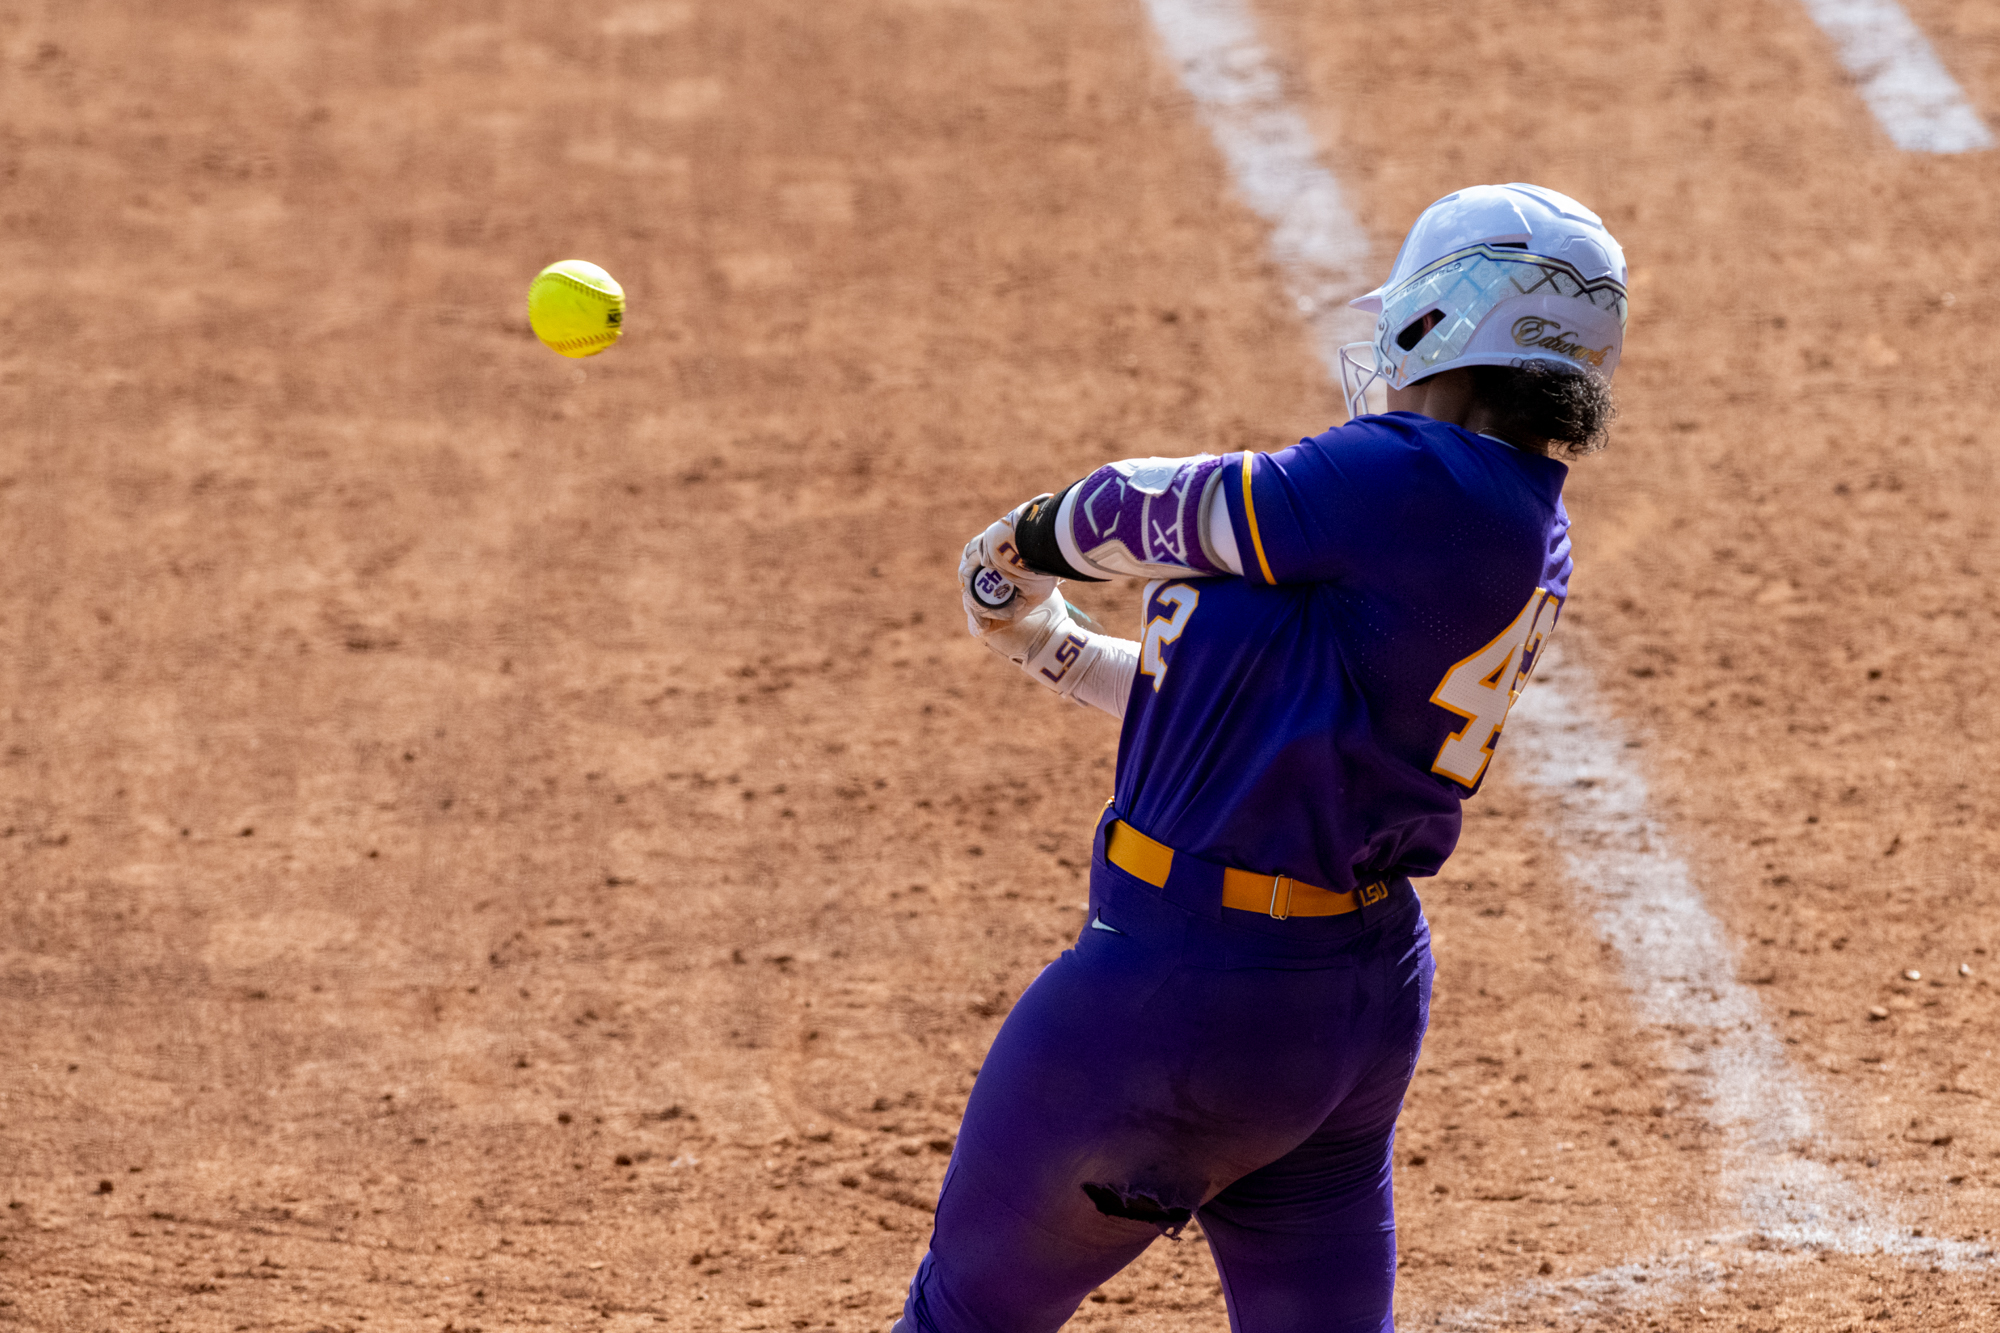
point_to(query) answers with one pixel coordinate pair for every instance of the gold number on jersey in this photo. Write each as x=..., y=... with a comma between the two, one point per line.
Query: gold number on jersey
x=1163, y=630
x=1482, y=687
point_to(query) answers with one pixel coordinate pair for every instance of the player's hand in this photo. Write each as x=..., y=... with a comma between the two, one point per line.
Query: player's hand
x=995, y=549
x=1036, y=625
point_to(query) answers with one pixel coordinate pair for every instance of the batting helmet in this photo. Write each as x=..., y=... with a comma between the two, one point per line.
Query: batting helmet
x=1494, y=275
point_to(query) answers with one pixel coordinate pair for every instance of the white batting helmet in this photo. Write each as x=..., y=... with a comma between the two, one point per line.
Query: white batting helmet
x=1494, y=275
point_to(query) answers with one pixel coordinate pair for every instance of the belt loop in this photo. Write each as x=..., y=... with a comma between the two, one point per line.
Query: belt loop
x=1276, y=881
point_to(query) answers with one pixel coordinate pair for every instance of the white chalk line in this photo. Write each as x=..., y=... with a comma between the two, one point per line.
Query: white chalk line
x=1681, y=968
x=1900, y=76
x=1323, y=253
x=1678, y=959
x=1682, y=1276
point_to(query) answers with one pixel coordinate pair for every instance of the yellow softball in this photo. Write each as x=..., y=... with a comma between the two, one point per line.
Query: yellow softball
x=576, y=308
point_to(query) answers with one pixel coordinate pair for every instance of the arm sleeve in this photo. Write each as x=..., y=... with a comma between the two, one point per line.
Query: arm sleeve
x=1084, y=666
x=1106, y=682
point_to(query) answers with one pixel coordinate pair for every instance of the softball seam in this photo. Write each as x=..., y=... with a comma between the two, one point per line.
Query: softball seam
x=580, y=285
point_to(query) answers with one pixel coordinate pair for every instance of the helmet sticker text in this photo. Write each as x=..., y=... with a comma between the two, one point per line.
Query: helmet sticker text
x=1537, y=331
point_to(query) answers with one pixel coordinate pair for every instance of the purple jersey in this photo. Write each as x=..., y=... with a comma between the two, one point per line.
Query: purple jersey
x=1324, y=715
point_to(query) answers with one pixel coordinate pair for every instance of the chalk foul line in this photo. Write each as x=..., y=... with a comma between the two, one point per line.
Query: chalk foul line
x=1320, y=249
x=1900, y=77
x=1681, y=969
x=1677, y=958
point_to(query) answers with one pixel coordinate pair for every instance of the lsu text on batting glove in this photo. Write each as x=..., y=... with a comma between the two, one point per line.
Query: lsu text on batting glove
x=1059, y=654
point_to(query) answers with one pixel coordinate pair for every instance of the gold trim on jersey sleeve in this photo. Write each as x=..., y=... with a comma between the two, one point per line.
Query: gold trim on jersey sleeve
x=1250, y=512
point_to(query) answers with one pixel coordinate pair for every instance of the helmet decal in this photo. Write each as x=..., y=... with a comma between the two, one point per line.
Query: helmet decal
x=1466, y=287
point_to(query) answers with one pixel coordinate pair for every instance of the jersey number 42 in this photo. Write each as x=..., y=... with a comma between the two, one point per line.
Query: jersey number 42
x=1482, y=688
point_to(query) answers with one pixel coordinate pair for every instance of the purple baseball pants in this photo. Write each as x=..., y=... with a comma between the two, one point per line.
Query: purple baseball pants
x=1187, y=1061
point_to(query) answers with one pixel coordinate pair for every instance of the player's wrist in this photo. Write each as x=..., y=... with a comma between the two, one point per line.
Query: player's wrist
x=1036, y=537
x=1024, y=639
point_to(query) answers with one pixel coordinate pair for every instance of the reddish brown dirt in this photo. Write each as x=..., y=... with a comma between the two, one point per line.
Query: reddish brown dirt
x=497, y=842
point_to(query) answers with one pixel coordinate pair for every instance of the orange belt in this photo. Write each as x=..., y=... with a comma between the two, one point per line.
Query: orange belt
x=1274, y=895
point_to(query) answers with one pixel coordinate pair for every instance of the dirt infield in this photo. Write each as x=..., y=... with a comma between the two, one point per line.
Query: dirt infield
x=497, y=842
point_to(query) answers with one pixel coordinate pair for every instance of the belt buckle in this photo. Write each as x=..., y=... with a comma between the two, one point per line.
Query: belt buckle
x=1276, y=915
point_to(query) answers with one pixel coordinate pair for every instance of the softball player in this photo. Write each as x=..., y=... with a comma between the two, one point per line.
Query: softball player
x=1333, y=636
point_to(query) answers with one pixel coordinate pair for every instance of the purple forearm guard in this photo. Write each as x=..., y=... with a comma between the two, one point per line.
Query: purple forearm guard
x=1141, y=517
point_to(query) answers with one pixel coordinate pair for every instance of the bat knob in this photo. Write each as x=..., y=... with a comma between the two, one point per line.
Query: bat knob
x=991, y=589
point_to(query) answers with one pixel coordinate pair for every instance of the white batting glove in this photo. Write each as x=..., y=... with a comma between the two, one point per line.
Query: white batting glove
x=994, y=550
x=1058, y=652
x=1062, y=649
x=1044, y=641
